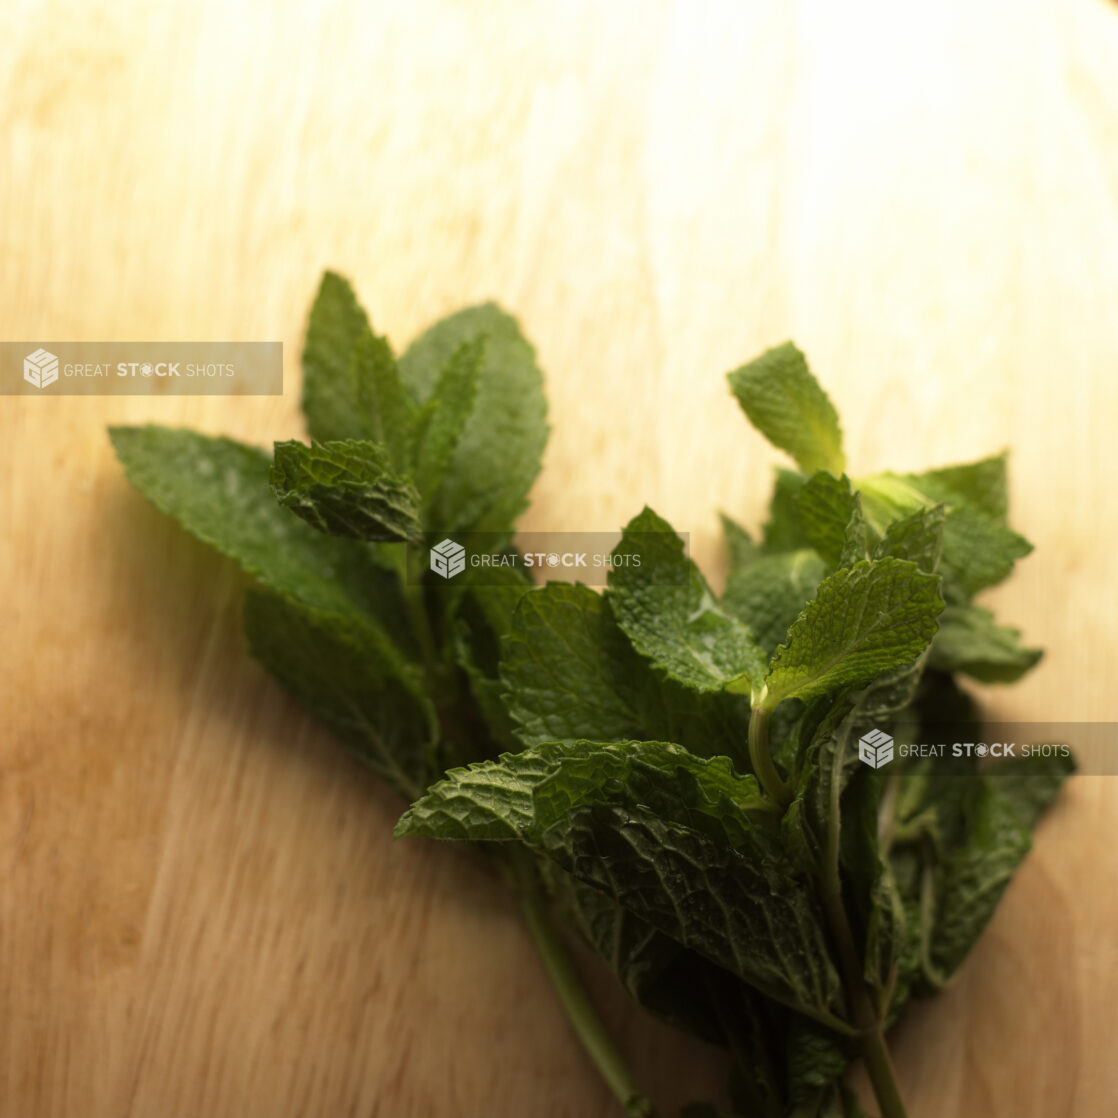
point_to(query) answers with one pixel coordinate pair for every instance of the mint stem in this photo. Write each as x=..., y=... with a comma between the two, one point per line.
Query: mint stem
x=572, y=993
x=871, y=1042
x=761, y=759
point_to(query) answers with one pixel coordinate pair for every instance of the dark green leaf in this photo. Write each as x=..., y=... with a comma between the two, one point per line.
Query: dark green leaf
x=570, y=672
x=743, y=908
x=330, y=663
x=497, y=457
x=665, y=607
x=970, y=641
x=917, y=537
x=740, y=548
x=522, y=795
x=831, y=516
x=440, y=422
x=769, y=593
x=346, y=489
x=219, y=490
x=332, y=396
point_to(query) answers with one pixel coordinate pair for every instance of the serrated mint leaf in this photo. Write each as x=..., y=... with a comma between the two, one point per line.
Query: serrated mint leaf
x=569, y=671
x=387, y=413
x=441, y=420
x=831, y=516
x=740, y=548
x=219, y=490
x=497, y=457
x=786, y=404
x=744, y=908
x=346, y=489
x=705, y=794
x=983, y=485
x=665, y=607
x=783, y=530
x=331, y=394
x=656, y=971
x=333, y=665
x=769, y=593
x=970, y=641
x=978, y=551
x=863, y=621
x=917, y=537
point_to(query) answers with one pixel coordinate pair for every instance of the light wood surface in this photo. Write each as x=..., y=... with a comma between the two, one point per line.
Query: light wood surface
x=202, y=911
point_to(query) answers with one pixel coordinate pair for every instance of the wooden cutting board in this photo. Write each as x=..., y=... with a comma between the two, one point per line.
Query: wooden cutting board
x=202, y=911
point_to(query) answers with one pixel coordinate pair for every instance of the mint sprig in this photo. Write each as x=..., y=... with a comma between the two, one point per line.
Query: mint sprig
x=670, y=774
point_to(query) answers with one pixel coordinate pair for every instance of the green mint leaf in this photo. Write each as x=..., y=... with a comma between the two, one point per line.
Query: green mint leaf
x=784, y=530
x=981, y=485
x=832, y=519
x=975, y=876
x=740, y=548
x=532, y=791
x=570, y=672
x=978, y=551
x=744, y=908
x=346, y=489
x=331, y=395
x=970, y=641
x=497, y=456
x=665, y=607
x=769, y=593
x=386, y=411
x=786, y=404
x=1030, y=784
x=346, y=677
x=219, y=490
x=864, y=620
x=440, y=422
x=917, y=537
x=481, y=619
x=656, y=971
x=815, y=1058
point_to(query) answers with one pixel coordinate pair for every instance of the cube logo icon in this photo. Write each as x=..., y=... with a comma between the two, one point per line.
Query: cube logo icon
x=875, y=748
x=40, y=368
x=448, y=558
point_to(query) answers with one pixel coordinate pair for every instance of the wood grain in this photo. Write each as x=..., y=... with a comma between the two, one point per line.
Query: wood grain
x=201, y=908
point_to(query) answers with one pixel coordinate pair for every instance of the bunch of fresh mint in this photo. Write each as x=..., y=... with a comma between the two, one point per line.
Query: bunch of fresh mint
x=674, y=775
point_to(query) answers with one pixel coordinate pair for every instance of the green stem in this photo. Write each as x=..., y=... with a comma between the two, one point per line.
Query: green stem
x=760, y=757
x=572, y=994
x=871, y=1042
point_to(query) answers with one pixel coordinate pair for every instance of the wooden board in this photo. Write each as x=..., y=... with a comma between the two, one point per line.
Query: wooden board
x=201, y=907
